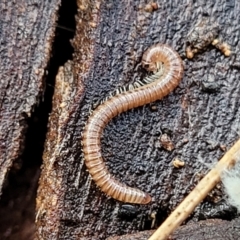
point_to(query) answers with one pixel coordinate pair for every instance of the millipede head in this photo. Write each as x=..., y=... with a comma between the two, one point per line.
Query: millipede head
x=150, y=66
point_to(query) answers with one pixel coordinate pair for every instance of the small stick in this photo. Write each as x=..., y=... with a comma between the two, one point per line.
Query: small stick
x=197, y=195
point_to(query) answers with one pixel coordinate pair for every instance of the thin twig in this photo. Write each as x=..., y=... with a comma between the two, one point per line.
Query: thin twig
x=197, y=195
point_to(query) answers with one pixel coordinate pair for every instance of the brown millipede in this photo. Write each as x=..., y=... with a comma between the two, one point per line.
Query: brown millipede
x=168, y=70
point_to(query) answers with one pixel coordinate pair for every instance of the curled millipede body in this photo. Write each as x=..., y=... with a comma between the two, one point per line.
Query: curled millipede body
x=168, y=70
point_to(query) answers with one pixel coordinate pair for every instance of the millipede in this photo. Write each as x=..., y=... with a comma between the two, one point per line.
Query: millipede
x=167, y=68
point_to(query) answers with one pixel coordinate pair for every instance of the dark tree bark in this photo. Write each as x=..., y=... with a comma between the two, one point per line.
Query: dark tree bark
x=200, y=116
x=26, y=34
x=26, y=30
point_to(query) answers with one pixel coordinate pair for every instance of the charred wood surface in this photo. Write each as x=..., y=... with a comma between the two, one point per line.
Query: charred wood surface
x=200, y=117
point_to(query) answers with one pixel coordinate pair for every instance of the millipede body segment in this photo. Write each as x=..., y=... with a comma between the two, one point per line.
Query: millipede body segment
x=167, y=69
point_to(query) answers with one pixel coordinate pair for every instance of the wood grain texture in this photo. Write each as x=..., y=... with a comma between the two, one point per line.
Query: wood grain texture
x=26, y=34
x=201, y=117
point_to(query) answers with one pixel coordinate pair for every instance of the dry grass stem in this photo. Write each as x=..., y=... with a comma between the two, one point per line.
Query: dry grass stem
x=197, y=195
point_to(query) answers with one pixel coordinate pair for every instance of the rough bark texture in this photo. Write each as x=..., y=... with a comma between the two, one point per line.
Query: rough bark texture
x=201, y=117
x=209, y=229
x=26, y=31
x=26, y=34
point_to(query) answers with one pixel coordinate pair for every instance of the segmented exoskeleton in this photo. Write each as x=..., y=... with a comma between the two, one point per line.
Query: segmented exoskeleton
x=167, y=67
